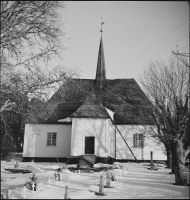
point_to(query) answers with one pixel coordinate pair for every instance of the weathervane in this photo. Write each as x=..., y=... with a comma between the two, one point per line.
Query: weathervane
x=101, y=25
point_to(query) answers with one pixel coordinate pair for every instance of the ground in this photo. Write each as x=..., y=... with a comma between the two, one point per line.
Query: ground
x=136, y=182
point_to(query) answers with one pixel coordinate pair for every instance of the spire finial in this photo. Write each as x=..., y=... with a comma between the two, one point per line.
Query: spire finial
x=101, y=25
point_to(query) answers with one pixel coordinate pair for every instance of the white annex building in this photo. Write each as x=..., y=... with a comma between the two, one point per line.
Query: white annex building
x=101, y=117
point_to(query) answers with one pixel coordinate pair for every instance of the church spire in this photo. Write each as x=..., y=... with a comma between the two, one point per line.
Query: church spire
x=101, y=70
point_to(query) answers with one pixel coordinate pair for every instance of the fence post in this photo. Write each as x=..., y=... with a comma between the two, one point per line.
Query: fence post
x=151, y=160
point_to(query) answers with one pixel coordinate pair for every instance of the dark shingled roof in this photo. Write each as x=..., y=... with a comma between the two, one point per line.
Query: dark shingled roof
x=64, y=110
x=91, y=108
x=123, y=96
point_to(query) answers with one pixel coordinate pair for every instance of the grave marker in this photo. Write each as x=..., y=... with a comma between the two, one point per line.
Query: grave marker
x=108, y=184
x=9, y=194
x=101, y=187
x=66, y=196
x=24, y=192
x=33, y=186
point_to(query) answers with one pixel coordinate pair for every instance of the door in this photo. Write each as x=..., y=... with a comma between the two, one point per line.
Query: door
x=89, y=145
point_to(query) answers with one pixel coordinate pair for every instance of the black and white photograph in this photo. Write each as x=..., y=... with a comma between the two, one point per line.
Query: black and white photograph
x=95, y=100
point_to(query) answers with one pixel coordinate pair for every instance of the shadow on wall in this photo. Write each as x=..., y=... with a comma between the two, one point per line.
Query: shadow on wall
x=124, y=153
x=99, y=135
x=92, y=127
x=112, y=140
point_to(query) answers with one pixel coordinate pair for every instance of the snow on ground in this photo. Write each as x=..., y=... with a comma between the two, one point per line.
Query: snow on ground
x=136, y=183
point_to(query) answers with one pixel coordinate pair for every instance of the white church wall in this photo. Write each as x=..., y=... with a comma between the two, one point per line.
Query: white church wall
x=82, y=127
x=150, y=144
x=123, y=152
x=35, y=140
x=111, y=134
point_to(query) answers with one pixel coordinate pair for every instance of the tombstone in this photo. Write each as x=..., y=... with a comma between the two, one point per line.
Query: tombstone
x=59, y=177
x=33, y=186
x=24, y=192
x=55, y=174
x=9, y=194
x=16, y=164
x=29, y=185
x=112, y=176
x=108, y=184
x=101, y=187
x=66, y=196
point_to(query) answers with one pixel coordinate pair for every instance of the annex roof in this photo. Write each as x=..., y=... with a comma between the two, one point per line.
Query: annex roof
x=64, y=110
x=91, y=108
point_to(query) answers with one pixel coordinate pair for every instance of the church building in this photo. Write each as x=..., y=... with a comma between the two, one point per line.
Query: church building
x=101, y=117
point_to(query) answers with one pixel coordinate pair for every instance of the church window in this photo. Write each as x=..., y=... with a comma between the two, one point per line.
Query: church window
x=138, y=140
x=51, y=139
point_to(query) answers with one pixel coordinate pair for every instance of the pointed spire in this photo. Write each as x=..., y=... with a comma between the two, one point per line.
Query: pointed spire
x=101, y=70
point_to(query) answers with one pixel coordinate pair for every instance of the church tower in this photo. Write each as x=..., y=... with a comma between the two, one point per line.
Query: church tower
x=101, y=70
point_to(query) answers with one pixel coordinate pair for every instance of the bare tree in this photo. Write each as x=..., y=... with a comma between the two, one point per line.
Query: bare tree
x=183, y=58
x=31, y=31
x=31, y=36
x=24, y=94
x=166, y=85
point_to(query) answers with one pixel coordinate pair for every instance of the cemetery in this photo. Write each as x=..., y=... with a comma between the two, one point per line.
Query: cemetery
x=127, y=180
x=75, y=125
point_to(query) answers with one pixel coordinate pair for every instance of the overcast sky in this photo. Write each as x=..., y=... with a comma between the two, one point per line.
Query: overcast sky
x=134, y=33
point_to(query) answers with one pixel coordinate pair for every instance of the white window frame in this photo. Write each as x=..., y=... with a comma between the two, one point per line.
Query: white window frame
x=51, y=139
x=138, y=140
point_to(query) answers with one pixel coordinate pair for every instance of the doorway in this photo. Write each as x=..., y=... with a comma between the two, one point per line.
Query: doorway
x=89, y=145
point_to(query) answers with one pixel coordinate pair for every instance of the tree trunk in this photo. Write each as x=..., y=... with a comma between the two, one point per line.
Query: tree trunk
x=169, y=159
x=173, y=160
x=180, y=175
x=186, y=153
